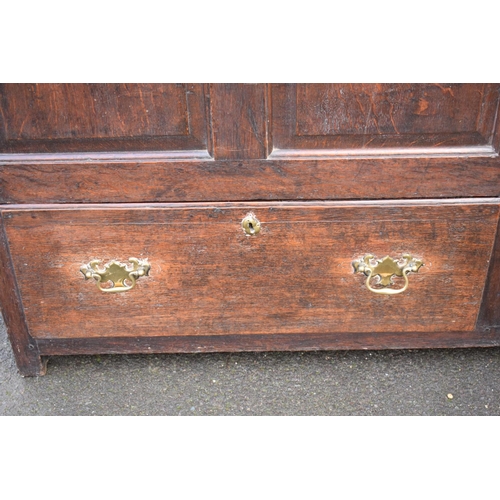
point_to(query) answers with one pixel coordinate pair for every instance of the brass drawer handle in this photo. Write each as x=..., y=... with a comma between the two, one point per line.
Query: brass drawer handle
x=116, y=273
x=385, y=269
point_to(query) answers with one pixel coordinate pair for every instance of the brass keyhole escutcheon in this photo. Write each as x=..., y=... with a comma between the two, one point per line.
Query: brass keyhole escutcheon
x=251, y=225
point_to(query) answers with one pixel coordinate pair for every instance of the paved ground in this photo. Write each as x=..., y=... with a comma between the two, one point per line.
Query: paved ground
x=412, y=382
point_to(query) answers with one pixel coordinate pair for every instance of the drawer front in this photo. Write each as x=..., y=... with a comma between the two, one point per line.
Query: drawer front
x=207, y=276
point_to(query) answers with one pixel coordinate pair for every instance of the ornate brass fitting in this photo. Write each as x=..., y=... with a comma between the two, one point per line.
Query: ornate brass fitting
x=121, y=276
x=385, y=269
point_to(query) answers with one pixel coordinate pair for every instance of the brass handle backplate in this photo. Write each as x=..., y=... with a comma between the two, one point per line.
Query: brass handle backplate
x=122, y=276
x=385, y=269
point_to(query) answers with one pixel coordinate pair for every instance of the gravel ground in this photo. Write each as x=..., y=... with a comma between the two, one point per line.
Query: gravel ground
x=409, y=382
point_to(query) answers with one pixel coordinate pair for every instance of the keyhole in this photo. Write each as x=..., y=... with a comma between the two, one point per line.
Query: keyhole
x=250, y=224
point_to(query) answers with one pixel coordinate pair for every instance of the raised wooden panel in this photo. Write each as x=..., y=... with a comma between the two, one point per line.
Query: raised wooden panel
x=209, y=278
x=336, y=119
x=40, y=118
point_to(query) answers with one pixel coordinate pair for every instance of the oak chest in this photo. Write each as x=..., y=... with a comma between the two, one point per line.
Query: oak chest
x=141, y=218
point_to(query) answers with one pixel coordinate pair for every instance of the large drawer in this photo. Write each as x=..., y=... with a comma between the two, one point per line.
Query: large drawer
x=208, y=276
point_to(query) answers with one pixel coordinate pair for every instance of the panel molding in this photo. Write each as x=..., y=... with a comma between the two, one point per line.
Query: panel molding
x=105, y=157
x=457, y=151
x=318, y=137
x=100, y=118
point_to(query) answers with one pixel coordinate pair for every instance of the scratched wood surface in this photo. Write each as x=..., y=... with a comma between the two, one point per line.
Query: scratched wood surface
x=101, y=117
x=380, y=116
x=209, y=278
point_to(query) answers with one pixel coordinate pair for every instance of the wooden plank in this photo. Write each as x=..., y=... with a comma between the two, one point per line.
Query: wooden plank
x=239, y=121
x=294, y=342
x=184, y=181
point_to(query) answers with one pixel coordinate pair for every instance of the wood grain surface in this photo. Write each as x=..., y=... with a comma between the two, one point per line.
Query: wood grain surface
x=209, y=278
x=239, y=121
x=238, y=142
x=168, y=171
x=489, y=317
x=102, y=117
x=159, y=181
x=25, y=348
x=380, y=116
x=277, y=342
